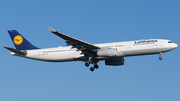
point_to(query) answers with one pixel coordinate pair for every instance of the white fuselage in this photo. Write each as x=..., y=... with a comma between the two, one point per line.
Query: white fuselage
x=123, y=49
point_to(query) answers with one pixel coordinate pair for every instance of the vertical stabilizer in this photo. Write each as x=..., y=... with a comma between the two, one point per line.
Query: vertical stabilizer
x=20, y=42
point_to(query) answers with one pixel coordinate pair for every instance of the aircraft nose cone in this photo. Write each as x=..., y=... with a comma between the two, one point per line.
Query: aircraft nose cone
x=176, y=45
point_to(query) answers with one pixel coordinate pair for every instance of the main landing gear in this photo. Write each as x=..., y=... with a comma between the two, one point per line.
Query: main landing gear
x=93, y=61
x=92, y=68
x=87, y=64
x=160, y=54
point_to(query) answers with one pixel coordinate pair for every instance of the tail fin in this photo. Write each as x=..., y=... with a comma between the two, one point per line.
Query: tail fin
x=20, y=42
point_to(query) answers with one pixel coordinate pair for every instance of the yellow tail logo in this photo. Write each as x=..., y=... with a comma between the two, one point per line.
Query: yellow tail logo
x=18, y=39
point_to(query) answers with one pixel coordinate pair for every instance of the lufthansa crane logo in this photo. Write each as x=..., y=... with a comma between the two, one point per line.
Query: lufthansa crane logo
x=18, y=39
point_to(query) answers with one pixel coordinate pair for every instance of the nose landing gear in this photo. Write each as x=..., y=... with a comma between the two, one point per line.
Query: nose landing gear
x=160, y=54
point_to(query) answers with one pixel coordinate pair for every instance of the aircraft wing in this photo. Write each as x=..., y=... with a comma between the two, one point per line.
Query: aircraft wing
x=80, y=45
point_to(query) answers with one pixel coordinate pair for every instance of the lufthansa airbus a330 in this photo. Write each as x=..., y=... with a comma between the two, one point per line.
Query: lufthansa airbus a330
x=112, y=53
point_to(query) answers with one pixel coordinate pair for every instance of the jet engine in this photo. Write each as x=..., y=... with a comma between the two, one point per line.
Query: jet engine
x=115, y=62
x=107, y=52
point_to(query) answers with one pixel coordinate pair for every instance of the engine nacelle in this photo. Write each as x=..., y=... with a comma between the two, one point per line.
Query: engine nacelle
x=107, y=52
x=115, y=62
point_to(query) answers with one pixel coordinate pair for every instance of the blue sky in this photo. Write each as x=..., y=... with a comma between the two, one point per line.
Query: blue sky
x=94, y=21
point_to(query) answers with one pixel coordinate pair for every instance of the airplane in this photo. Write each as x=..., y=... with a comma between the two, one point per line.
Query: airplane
x=76, y=50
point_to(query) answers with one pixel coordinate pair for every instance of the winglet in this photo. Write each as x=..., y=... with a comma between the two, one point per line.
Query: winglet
x=51, y=30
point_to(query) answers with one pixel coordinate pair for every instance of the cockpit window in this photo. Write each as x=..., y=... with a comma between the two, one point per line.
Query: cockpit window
x=170, y=42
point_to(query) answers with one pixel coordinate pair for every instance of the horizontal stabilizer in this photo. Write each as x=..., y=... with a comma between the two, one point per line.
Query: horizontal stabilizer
x=16, y=51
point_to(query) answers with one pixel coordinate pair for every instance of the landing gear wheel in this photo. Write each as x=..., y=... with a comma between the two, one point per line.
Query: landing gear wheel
x=87, y=64
x=96, y=66
x=160, y=58
x=160, y=54
x=92, y=69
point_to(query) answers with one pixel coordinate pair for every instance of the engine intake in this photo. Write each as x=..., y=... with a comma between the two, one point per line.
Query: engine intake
x=115, y=62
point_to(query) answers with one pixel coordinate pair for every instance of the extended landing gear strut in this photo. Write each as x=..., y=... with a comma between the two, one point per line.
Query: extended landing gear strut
x=92, y=68
x=92, y=60
x=160, y=54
